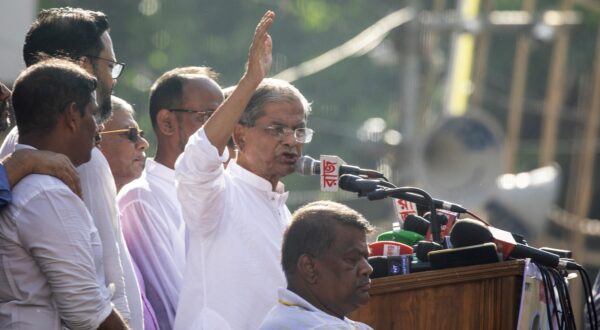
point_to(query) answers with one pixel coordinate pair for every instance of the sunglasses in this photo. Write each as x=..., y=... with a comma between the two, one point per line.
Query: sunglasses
x=133, y=133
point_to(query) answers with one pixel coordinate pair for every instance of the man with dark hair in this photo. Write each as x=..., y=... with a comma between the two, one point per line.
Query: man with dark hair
x=236, y=216
x=324, y=258
x=21, y=163
x=181, y=101
x=51, y=252
x=83, y=36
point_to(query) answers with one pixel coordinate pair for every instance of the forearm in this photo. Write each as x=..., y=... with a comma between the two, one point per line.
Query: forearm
x=16, y=168
x=221, y=124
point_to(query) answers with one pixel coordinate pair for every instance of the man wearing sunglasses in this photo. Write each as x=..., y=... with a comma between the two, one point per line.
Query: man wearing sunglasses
x=83, y=36
x=123, y=144
x=236, y=216
x=181, y=101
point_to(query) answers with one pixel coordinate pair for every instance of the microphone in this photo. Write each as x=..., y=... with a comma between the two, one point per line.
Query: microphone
x=416, y=224
x=464, y=256
x=468, y=232
x=414, y=230
x=402, y=236
x=389, y=248
x=307, y=165
x=354, y=183
x=384, y=266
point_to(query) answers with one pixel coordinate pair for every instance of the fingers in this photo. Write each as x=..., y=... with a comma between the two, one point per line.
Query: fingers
x=4, y=92
x=57, y=165
x=265, y=23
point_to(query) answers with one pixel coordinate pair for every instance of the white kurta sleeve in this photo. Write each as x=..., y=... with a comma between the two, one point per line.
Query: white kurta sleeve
x=201, y=184
x=63, y=247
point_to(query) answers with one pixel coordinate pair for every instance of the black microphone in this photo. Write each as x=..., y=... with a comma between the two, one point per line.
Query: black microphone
x=467, y=232
x=307, y=165
x=374, y=194
x=362, y=186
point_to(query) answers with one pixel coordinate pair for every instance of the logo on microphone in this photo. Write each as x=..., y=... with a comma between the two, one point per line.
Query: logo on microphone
x=330, y=169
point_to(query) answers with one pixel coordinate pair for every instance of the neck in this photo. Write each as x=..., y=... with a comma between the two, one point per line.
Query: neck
x=307, y=294
x=165, y=156
x=247, y=165
x=49, y=142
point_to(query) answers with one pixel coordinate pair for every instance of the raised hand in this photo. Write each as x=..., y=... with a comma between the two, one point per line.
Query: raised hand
x=260, y=55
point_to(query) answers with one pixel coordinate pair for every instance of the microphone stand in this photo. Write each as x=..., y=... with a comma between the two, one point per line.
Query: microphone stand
x=406, y=193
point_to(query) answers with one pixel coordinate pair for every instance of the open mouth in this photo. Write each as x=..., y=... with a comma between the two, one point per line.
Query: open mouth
x=290, y=157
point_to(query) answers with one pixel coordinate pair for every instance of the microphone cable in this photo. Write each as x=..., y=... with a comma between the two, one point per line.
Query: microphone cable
x=589, y=299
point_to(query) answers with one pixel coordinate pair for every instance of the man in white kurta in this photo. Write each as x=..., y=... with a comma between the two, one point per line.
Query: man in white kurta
x=155, y=235
x=51, y=259
x=181, y=100
x=235, y=224
x=99, y=195
x=52, y=271
x=324, y=258
x=236, y=216
x=97, y=184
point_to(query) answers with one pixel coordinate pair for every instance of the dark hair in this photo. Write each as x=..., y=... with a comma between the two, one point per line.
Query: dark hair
x=272, y=90
x=312, y=231
x=70, y=32
x=44, y=90
x=167, y=90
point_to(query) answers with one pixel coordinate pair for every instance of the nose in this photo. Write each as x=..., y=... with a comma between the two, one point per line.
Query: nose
x=366, y=269
x=142, y=143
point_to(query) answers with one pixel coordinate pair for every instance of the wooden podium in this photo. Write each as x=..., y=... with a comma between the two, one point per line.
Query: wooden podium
x=474, y=297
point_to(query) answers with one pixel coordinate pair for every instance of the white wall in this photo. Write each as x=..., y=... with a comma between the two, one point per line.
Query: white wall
x=15, y=18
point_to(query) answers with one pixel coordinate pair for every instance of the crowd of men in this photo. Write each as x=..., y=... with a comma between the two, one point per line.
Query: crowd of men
x=95, y=236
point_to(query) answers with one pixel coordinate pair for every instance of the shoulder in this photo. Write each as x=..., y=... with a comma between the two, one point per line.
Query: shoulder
x=43, y=189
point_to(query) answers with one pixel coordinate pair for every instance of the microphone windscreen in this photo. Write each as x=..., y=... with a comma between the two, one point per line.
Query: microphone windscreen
x=348, y=183
x=380, y=266
x=423, y=248
x=389, y=248
x=305, y=166
x=416, y=224
x=469, y=232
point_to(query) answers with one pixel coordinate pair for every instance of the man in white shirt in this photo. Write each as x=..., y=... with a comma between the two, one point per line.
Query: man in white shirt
x=180, y=102
x=51, y=271
x=235, y=217
x=83, y=36
x=123, y=144
x=324, y=258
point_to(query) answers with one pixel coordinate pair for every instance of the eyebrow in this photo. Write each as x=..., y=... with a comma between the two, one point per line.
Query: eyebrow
x=277, y=123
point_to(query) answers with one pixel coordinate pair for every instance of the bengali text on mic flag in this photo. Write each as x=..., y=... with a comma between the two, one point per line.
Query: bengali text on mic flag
x=330, y=170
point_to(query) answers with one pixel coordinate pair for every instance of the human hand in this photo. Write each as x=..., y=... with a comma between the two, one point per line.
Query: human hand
x=4, y=106
x=260, y=56
x=23, y=162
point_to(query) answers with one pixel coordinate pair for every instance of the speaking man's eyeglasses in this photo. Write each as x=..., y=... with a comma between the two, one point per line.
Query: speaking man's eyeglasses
x=301, y=135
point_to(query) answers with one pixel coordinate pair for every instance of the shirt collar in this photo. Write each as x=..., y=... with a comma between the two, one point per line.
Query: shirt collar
x=159, y=170
x=254, y=180
x=290, y=298
x=19, y=146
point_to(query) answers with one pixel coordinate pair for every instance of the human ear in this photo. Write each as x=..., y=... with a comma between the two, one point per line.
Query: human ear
x=239, y=136
x=165, y=122
x=72, y=117
x=307, y=268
